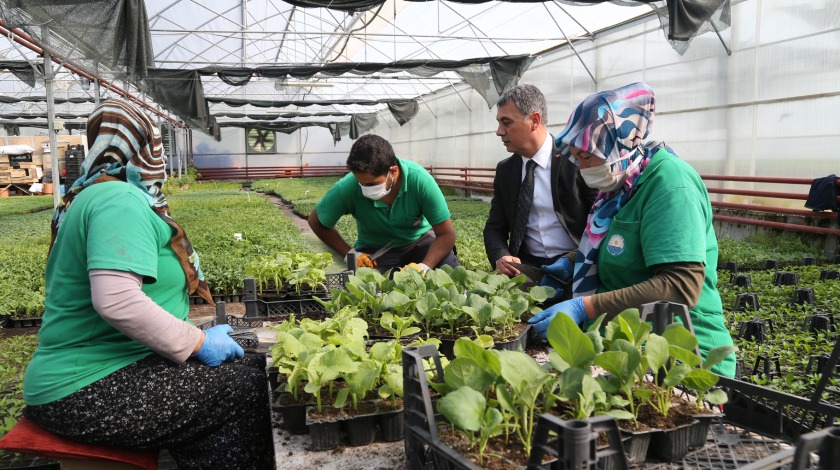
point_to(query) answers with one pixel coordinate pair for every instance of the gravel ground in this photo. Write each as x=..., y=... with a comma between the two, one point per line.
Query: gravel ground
x=293, y=454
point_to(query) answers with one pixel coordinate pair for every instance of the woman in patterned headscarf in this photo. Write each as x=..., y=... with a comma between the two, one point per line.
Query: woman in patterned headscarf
x=649, y=235
x=118, y=363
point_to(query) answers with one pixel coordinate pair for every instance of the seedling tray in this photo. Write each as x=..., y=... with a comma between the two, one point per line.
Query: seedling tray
x=22, y=322
x=733, y=440
x=243, y=331
x=447, y=346
x=270, y=305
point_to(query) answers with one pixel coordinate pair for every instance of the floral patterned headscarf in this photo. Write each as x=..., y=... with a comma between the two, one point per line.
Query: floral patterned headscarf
x=125, y=145
x=611, y=125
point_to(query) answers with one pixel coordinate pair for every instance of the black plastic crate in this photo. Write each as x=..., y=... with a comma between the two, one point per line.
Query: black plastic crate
x=243, y=328
x=267, y=304
x=732, y=442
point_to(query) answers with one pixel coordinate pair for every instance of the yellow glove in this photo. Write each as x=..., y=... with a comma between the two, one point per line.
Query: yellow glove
x=422, y=267
x=364, y=261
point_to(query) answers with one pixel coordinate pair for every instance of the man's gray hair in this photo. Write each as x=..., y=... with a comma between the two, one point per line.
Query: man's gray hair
x=527, y=99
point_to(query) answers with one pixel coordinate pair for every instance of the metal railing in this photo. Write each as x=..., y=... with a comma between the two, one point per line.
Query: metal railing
x=481, y=180
x=269, y=172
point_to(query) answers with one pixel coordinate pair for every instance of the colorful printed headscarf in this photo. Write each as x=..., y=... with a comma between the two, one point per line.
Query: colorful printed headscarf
x=611, y=125
x=125, y=145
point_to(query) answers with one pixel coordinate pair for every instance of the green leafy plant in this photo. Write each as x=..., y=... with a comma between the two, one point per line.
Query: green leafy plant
x=398, y=326
x=524, y=381
x=467, y=410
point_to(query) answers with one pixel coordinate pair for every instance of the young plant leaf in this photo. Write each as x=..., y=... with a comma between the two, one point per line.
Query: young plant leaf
x=465, y=372
x=571, y=344
x=656, y=352
x=464, y=408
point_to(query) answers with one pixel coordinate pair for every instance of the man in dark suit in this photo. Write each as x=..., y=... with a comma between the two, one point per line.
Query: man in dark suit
x=560, y=203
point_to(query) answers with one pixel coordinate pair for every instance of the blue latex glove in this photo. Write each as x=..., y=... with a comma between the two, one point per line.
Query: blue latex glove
x=556, y=276
x=573, y=308
x=218, y=347
x=561, y=271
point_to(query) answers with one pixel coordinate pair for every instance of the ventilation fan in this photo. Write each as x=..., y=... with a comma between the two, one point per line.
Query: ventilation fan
x=260, y=141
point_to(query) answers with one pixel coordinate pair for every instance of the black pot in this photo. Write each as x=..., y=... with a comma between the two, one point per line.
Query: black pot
x=636, y=447
x=829, y=274
x=700, y=431
x=741, y=280
x=294, y=418
x=804, y=296
x=671, y=444
x=361, y=430
x=447, y=346
x=817, y=323
x=392, y=425
x=756, y=329
x=326, y=435
x=768, y=366
x=784, y=278
x=517, y=344
x=770, y=264
x=742, y=301
x=730, y=266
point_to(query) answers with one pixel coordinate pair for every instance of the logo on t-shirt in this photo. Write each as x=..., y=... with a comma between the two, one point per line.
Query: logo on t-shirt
x=616, y=245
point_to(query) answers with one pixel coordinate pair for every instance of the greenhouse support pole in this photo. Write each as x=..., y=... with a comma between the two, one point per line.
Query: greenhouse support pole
x=48, y=84
x=182, y=144
x=189, y=155
x=96, y=92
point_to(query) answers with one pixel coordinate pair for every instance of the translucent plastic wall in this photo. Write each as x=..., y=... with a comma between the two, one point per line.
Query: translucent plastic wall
x=768, y=109
x=309, y=146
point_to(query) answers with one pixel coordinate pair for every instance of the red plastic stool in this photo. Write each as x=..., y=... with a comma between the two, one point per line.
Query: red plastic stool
x=28, y=438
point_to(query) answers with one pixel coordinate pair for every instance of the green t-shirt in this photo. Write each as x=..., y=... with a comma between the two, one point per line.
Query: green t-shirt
x=418, y=205
x=668, y=220
x=109, y=226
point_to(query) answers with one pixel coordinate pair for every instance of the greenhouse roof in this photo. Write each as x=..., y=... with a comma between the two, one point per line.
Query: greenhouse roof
x=232, y=62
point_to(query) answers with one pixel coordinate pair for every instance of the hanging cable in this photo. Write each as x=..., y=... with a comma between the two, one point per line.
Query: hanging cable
x=349, y=33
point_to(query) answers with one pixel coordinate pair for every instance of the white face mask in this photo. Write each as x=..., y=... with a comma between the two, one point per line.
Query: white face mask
x=378, y=191
x=600, y=177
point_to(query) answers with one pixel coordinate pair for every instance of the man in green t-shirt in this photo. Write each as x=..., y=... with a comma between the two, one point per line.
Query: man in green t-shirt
x=396, y=203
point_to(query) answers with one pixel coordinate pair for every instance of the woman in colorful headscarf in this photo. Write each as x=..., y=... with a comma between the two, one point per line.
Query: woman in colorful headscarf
x=118, y=363
x=649, y=235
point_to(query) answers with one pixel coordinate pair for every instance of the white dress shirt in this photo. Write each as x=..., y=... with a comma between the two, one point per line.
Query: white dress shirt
x=545, y=236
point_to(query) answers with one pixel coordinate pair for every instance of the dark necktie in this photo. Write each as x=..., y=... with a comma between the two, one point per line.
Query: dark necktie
x=523, y=209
